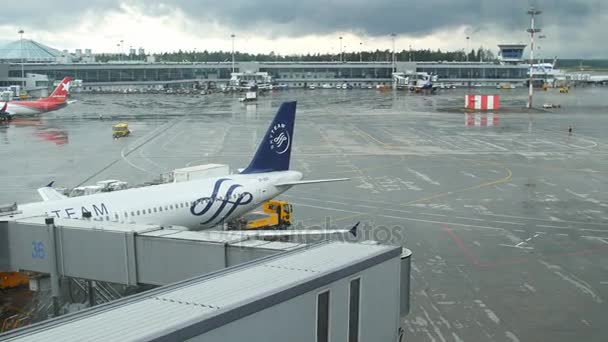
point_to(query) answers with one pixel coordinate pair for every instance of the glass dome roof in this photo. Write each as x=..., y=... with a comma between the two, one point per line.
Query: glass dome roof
x=30, y=51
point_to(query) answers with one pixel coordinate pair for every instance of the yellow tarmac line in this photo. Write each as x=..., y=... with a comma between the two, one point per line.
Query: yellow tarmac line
x=372, y=138
x=478, y=186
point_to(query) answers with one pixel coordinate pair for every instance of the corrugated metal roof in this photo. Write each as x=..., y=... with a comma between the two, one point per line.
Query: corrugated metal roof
x=274, y=245
x=166, y=310
x=138, y=320
x=236, y=288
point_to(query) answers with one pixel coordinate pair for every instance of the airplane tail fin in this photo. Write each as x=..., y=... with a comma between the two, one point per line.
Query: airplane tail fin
x=60, y=93
x=274, y=151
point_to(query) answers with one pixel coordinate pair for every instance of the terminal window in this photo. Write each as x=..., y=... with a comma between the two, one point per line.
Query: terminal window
x=353, y=310
x=323, y=317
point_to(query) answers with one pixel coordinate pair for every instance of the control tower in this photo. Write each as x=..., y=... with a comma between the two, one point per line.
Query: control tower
x=511, y=53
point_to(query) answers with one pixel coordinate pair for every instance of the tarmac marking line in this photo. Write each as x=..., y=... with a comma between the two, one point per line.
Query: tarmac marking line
x=489, y=144
x=409, y=212
x=483, y=214
x=602, y=239
x=467, y=252
x=545, y=220
x=372, y=138
x=507, y=222
x=478, y=186
x=439, y=139
x=549, y=226
x=401, y=217
x=516, y=246
x=338, y=219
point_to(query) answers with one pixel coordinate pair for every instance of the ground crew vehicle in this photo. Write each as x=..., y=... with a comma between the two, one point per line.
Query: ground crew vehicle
x=563, y=90
x=120, y=130
x=275, y=215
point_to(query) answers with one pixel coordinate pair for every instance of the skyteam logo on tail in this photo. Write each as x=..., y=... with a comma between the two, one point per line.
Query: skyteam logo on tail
x=279, y=138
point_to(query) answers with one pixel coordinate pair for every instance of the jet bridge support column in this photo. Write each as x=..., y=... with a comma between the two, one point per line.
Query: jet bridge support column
x=90, y=292
x=54, y=272
x=5, y=262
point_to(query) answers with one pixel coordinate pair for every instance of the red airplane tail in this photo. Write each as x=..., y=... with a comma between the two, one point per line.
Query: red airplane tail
x=60, y=94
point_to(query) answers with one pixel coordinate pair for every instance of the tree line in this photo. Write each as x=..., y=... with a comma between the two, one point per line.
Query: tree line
x=425, y=55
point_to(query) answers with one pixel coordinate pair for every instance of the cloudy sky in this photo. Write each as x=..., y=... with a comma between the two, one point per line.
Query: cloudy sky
x=573, y=28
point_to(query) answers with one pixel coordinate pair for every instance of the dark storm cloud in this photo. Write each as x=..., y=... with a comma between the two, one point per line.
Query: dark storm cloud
x=377, y=17
x=54, y=15
x=575, y=22
x=371, y=17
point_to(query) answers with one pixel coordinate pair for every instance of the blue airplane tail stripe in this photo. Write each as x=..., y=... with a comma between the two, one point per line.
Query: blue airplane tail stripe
x=274, y=152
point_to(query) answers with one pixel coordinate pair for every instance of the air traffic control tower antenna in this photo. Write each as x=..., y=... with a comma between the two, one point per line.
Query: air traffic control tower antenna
x=532, y=12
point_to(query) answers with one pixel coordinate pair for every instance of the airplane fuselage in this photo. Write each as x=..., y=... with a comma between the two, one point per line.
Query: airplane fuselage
x=24, y=108
x=198, y=204
x=57, y=100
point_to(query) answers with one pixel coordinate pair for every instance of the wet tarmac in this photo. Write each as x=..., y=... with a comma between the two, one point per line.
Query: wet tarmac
x=506, y=213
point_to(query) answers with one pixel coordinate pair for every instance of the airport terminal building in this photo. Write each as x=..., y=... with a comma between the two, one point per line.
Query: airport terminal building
x=41, y=60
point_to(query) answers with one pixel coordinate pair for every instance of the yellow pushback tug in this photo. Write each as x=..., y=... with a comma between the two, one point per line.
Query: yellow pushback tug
x=275, y=215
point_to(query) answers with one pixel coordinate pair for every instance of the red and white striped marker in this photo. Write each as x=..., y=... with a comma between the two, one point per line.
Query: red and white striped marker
x=482, y=102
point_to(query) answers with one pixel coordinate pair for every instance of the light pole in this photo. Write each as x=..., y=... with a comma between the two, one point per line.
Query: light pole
x=532, y=12
x=21, y=32
x=340, y=49
x=361, y=52
x=393, y=39
x=410, y=57
x=467, y=52
x=232, y=36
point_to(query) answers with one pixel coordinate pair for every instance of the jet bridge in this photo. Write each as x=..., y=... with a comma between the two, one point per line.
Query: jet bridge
x=89, y=253
x=125, y=254
x=328, y=291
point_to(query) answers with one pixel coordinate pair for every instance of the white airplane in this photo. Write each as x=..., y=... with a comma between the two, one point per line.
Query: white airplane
x=197, y=204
